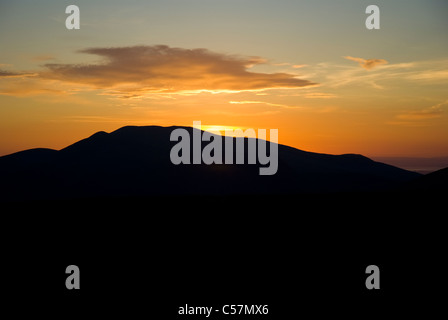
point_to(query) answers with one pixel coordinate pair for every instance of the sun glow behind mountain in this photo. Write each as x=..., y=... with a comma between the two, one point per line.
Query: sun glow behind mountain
x=323, y=80
x=220, y=128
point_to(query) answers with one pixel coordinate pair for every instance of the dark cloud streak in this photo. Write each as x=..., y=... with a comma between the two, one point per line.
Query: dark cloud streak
x=164, y=69
x=9, y=74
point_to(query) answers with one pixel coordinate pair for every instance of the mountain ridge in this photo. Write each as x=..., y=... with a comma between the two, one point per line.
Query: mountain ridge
x=135, y=160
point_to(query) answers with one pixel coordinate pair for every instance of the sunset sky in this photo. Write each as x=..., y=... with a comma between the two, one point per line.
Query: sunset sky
x=310, y=69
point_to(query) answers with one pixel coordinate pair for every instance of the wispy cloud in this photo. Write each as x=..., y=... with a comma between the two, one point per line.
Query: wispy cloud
x=367, y=64
x=43, y=57
x=295, y=66
x=430, y=75
x=265, y=103
x=431, y=112
x=425, y=72
x=12, y=74
x=320, y=95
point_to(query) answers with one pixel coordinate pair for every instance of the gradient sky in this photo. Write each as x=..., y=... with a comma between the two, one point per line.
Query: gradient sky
x=310, y=69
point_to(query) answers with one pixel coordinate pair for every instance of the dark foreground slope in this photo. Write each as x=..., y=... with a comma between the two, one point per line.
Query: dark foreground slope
x=293, y=241
x=135, y=161
x=434, y=182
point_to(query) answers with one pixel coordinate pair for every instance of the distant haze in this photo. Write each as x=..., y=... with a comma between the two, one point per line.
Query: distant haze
x=420, y=165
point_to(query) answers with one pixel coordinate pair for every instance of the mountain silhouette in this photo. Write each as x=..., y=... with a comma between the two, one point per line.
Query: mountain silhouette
x=135, y=161
x=434, y=182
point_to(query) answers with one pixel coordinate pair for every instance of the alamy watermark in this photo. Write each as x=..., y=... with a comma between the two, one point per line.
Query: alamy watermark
x=72, y=281
x=212, y=153
x=373, y=280
x=72, y=22
x=373, y=20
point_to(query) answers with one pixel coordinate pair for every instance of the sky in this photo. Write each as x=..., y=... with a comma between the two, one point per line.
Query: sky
x=310, y=69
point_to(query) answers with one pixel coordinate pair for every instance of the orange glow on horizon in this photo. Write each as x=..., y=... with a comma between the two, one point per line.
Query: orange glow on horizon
x=219, y=128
